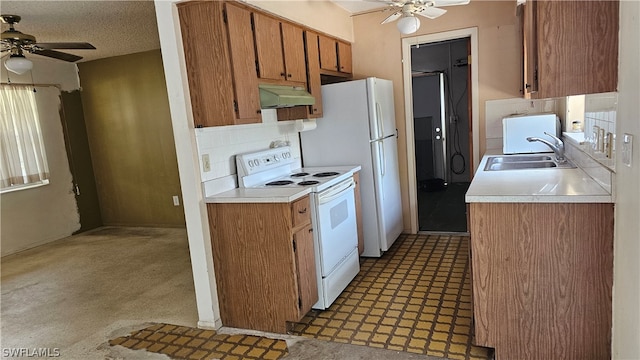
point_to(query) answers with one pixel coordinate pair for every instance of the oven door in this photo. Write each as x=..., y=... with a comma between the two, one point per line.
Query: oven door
x=336, y=224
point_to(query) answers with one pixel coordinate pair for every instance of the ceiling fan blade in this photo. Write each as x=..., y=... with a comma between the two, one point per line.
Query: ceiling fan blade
x=431, y=12
x=65, y=45
x=450, y=2
x=56, y=55
x=392, y=17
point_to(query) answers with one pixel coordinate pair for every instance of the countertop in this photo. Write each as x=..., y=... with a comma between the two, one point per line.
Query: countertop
x=535, y=185
x=277, y=194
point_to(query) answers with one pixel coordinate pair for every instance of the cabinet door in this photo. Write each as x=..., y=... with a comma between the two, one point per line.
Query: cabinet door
x=313, y=72
x=208, y=63
x=571, y=47
x=245, y=80
x=344, y=57
x=293, y=48
x=328, y=53
x=306, y=267
x=268, y=47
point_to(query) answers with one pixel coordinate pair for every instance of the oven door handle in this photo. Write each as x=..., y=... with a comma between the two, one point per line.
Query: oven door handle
x=336, y=191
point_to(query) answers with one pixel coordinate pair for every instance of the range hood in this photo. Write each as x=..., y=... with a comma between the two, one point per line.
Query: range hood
x=281, y=96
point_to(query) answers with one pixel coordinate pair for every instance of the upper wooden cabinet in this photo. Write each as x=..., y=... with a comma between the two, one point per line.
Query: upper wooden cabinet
x=344, y=57
x=293, y=48
x=570, y=47
x=335, y=56
x=230, y=47
x=313, y=72
x=219, y=54
x=279, y=49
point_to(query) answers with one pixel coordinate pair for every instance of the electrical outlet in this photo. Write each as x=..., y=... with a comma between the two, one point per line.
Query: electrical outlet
x=176, y=200
x=627, y=149
x=206, y=164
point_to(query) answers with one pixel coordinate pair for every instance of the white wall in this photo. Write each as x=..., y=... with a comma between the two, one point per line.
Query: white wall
x=626, y=282
x=36, y=216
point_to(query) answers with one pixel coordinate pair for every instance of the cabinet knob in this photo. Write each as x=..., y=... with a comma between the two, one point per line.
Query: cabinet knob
x=310, y=229
x=258, y=111
x=302, y=211
x=289, y=75
x=283, y=74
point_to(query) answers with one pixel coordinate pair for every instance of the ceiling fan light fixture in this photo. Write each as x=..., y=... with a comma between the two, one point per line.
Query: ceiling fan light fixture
x=408, y=24
x=18, y=64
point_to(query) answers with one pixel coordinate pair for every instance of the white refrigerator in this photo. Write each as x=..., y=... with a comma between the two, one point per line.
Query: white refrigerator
x=358, y=128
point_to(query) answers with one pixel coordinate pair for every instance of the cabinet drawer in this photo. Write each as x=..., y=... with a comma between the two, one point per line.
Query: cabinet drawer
x=301, y=211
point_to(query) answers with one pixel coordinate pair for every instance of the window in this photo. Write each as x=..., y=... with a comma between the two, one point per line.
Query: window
x=23, y=162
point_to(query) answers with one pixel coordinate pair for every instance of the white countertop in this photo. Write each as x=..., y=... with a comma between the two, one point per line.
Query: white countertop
x=259, y=195
x=276, y=194
x=535, y=185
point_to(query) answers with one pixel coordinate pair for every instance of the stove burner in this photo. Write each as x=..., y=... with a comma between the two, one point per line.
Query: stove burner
x=325, y=174
x=279, y=183
x=300, y=174
x=309, y=182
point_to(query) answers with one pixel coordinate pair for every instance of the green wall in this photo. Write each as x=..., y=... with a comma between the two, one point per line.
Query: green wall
x=131, y=140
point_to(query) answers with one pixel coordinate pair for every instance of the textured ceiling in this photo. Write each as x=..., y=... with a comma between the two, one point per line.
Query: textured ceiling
x=113, y=27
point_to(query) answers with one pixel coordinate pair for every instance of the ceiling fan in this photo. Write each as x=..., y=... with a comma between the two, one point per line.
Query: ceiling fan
x=406, y=12
x=17, y=43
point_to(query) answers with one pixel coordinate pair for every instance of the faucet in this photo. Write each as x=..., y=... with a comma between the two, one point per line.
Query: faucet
x=557, y=146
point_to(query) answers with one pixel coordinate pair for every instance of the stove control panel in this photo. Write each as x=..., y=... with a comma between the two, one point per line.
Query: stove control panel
x=252, y=163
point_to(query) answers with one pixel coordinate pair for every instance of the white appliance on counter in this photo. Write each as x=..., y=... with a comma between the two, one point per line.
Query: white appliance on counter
x=358, y=127
x=516, y=129
x=333, y=217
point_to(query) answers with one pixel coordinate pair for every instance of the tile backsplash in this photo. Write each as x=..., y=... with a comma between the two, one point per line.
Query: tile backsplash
x=600, y=128
x=222, y=143
x=495, y=110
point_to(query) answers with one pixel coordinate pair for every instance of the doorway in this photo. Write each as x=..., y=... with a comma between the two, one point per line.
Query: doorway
x=441, y=108
x=441, y=114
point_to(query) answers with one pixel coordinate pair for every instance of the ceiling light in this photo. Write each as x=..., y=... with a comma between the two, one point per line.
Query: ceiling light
x=408, y=24
x=18, y=64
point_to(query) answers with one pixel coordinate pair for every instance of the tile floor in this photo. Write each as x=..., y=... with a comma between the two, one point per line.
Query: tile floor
x=415, y=298
x=182, y=342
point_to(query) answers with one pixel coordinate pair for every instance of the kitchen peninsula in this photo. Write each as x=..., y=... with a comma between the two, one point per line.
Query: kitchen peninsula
x=542, y=263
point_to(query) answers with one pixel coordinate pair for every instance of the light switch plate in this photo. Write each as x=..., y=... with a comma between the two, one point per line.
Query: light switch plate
x=627, y=149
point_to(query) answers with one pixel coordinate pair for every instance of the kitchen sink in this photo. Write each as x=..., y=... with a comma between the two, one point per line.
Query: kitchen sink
x=520, y=158
x=524, y=162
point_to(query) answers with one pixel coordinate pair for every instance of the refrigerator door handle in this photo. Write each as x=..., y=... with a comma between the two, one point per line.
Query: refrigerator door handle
x=379, y=120
x=382, y=161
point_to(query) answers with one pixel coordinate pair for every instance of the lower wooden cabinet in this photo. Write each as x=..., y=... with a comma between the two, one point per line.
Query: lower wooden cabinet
x=264, y=260
x=542, y=277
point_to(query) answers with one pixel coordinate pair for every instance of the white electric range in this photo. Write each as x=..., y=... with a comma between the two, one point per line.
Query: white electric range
x=273, y=176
